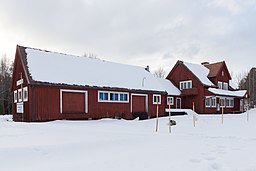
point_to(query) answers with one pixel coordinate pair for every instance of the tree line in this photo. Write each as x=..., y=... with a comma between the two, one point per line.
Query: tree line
x=6, y=67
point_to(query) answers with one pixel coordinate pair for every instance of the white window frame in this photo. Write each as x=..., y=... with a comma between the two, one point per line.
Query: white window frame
x=25, y=92
x=215, y=102
x=159, y=97
x=224, y=102
x=220, y=86
x=113, y=101
x=15, y=96
x=229, y=99
x=75, y=91
x=208, y=99
x=184, y=84
x=171, y=100
x=225, y=86
x=20, y=95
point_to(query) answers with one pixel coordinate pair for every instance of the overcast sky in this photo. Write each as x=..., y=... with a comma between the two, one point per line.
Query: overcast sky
x=137, y=32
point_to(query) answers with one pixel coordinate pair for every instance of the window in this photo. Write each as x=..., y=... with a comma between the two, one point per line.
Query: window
x=123, y=97
x=185, y=84
x=208, y=102
x=230, y=102
x=227, y=102
x=222, y=102
x=25, y=94
x=103, y=96
x=20, y=95
x=219, y=84
x=114, y=96
x=222, y=73
x=15, y=96
x=213, y=101
x=170, y=100
x=225, y=86
x=156, y=99
x=107, y=96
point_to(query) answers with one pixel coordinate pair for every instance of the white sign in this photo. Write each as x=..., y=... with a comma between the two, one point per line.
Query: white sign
x=19, y=82
x=20, y=107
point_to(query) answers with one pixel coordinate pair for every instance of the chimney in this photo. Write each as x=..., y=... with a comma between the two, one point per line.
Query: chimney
x=205, y=63
x=147, y=68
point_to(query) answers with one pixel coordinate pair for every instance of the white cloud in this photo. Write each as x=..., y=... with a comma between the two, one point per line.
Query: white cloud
x=139, y=32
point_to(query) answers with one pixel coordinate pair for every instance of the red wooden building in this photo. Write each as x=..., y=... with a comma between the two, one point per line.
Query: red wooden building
x=49, y=86
x=207, y=86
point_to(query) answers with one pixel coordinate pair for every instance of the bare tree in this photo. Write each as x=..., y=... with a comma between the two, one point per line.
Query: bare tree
x=160, y=72
x=5, y=85
x=240, y=79
x=89, y=55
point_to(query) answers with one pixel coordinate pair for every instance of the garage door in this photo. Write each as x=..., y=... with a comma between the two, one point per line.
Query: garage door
x=139, y=103
x=73, y=102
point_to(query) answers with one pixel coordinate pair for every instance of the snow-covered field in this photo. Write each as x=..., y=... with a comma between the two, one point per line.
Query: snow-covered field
x=120, y=145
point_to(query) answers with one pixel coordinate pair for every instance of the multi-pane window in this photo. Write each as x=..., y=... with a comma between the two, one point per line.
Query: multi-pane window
x=230, y=102
x=123, y=97
x=156, y=99
x=103, y=96
x=185, y=84
x=25, y=94
x=170, y=100
x=20, y=95
x=15, y=98
x=210, y=102
x=106, y=96
x=113, y=96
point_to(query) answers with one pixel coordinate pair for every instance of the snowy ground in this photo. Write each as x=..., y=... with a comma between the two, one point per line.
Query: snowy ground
x=119, y=145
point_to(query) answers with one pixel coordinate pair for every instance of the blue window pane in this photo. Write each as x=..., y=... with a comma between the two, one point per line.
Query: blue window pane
x=105, y=96
x=101, y=96
x=114, y=96
x=123, y=97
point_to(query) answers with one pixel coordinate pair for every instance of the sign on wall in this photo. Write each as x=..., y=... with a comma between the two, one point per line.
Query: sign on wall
x=19, y=82
x=20, y=107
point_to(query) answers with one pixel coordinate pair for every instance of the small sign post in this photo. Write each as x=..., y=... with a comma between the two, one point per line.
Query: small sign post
x=222, y=115
x=247, y=113
x=170, y=124
x=194, y=118
x=157, y=117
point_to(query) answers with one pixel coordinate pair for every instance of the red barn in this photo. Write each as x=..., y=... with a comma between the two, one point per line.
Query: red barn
x=49, y=86
x=207, y=87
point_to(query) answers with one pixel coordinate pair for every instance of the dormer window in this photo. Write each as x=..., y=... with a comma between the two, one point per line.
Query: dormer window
x=219, y=84
x=185, y=84
x=225, y=86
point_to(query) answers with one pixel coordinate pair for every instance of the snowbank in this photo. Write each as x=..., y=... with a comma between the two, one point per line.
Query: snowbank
x=116, y=145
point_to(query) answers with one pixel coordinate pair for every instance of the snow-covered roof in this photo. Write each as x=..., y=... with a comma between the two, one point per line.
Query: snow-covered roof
x=59, y=68
x=238, y=93
x=233, y=85
x=200, y=71
x=169, y=87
